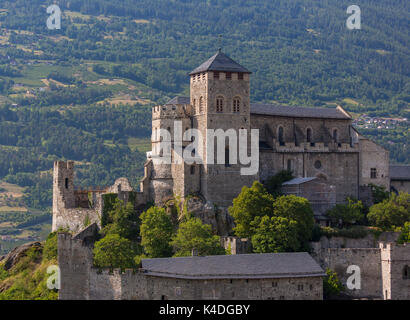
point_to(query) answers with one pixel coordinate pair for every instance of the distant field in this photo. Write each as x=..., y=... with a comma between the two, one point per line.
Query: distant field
x=140, y=144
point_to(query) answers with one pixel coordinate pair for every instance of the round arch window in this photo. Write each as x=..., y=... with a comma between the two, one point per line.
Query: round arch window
x=318, y=164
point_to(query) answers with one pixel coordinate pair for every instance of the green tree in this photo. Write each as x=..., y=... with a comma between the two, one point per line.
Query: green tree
x=250, y=203
x=391, y=213
x=297, y=209
x=274, y=184
x=193, y=234
x=379, y=193
x=331, y=284
x=405, y=234
x=347, y=213
x=274, y=234
x=156, y=233
x=114, y=251
x=124, y=223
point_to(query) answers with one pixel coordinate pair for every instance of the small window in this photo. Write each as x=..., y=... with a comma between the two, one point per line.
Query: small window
x=274, y=284
x=216, y=75
x=240, y=76
x=66, y=183
x=406, y=272
x=335, y=135
x=201, y=105
x=280, y=136
x=192, y=169
x=219, y=104
x=203, y=76
x=228, y=75
x=373, y=173
x=318, y=164
x=236, y=104
x=309, y=135
x=227, y=164
x=300, y=287
x=282, y=298
x=289, y=165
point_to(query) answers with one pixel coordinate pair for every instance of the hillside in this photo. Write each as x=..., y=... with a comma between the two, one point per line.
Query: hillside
x=84, y=92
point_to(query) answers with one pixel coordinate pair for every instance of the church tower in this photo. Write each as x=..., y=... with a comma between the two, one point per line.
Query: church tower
x=220, y=96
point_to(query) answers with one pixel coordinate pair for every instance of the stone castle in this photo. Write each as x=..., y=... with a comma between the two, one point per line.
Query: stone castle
x=328, y=157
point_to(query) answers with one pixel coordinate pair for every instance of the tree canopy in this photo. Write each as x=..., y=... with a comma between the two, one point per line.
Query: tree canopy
x=114, y=251
x=192, y=234
x=391, y=213
x=156, y=233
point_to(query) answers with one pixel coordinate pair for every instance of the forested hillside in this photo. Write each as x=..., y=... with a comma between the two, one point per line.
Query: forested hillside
x=84, y=92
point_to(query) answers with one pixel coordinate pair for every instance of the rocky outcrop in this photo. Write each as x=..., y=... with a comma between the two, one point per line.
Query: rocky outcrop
x=218, y=218
x=14, y=256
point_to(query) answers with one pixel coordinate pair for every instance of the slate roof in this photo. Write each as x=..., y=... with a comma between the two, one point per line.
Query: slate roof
x=288, y=111
x=179, y=100
x=220, y=62
x=400, y=172
x=298, y=181
x=239, y=266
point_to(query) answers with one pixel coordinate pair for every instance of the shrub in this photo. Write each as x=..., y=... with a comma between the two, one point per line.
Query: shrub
x=50, y=247
x=392, y=213
x=114, y=252
x=331, y=284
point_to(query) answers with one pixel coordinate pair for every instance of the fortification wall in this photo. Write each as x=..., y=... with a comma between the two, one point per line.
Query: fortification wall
x=369, y=241
x=75, y=219
x=74, y=261
x=395, y=261
x=367, y=259
x=129, y=285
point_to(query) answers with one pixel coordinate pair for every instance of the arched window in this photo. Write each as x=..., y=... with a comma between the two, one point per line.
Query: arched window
x=236, y=104
x=66, y=183
x=335, y=135
x=289, y=167
x=280, y=136
x=219, y=104
x=309, y=135
x=201, y=105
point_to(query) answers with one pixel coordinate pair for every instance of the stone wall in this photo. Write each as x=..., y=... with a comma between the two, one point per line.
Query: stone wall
x=80, y=280
x=367, y=259
x=381, y=264
x=236, y=245
x=396, y=270
x=373, y=156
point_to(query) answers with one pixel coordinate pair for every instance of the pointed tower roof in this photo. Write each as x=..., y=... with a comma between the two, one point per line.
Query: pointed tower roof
x=220, y=62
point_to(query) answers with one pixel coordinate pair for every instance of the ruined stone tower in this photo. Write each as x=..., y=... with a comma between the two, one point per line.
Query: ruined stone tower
x=63, y=188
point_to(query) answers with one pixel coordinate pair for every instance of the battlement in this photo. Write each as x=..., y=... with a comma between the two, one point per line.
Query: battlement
x=174, y=111
x=314, y=147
